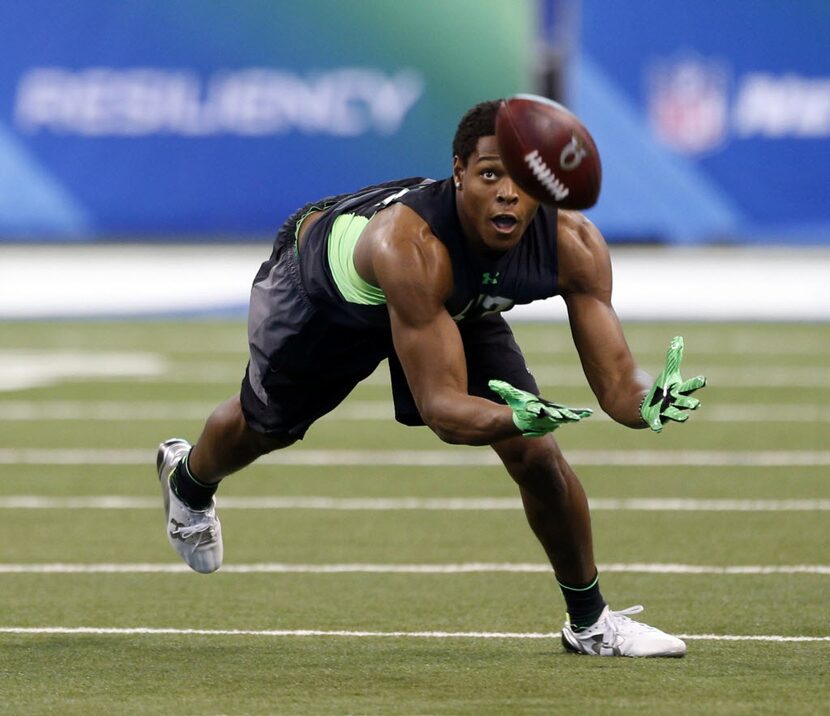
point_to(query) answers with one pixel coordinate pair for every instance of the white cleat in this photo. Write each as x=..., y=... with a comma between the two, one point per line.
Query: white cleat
x=195, y=534
x=614, y=634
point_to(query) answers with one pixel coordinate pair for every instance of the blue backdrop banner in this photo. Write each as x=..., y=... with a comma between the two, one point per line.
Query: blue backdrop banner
x=713, y=118
x=154, y=117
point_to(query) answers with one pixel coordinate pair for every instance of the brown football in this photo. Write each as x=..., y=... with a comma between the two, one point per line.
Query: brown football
x=548, y=152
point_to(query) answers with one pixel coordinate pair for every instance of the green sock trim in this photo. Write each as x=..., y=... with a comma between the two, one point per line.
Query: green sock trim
x=186, y=467
x=580, y=589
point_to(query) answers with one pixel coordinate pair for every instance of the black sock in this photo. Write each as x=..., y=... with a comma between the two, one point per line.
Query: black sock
x=585, y=604
x=196, y=495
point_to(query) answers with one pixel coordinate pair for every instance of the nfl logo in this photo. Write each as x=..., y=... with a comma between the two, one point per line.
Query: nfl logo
x=688, y=103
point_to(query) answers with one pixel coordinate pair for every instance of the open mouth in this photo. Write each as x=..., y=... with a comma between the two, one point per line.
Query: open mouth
x=505, y=223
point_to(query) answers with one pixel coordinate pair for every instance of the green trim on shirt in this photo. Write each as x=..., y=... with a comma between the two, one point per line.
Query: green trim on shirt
x=345, y=231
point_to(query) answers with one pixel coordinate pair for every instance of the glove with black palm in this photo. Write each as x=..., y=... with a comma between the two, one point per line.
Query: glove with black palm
x=670, y=396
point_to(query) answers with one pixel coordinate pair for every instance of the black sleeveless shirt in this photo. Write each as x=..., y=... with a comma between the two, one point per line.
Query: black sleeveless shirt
x=481, y=285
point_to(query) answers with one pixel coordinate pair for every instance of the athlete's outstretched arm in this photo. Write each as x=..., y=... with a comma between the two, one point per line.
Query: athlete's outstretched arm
x=585, y=281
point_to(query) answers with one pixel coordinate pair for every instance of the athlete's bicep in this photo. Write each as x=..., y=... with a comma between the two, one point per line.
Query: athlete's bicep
x=414, y=271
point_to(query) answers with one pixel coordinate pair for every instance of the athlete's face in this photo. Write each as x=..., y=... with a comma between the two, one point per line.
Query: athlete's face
x=493, y=211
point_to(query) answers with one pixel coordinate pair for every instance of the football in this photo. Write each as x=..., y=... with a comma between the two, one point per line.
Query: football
x=548, y=152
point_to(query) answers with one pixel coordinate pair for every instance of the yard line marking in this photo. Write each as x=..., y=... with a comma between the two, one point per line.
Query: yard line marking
x=372, y=410
x=782, y=376
x=435, y=458
x=109, y=410
x=462, y=568
x=763, y=413
x=117, y=502
x=776, y=376
x=162, y=631
x=739, y=343
x=20, y=369
x=752, y=637
x=357, y=410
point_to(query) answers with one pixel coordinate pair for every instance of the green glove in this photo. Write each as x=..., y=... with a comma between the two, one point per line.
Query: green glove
x=669, y=396
x=533, y=415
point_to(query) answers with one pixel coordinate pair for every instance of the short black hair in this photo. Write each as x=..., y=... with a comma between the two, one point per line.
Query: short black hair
x=479, y=121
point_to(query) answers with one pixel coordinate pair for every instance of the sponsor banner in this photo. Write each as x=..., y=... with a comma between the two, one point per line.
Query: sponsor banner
x=252, y=102
x=713, y=118
x=204, y=117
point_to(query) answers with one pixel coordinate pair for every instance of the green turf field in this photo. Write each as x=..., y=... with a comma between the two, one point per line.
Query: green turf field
x=411, y=584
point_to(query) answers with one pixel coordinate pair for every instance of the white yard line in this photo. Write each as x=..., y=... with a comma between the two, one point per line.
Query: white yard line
x=358, y=410
x=722, y=376
x=115, y=502
x=21, y=369
x=436, y=458
x=777, y=376
x=357, y=568
x=230, y=373
x=150, y=631
x=741, y=341
x=108, y=410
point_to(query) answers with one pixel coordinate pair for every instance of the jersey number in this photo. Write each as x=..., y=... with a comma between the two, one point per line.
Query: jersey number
x=483, y=305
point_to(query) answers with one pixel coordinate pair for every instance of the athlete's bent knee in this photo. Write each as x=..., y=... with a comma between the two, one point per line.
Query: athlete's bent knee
x=231, y=414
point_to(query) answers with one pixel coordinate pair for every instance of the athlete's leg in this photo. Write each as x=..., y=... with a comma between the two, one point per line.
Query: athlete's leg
x=228, y=444
x=557, y=510
x=555, y=505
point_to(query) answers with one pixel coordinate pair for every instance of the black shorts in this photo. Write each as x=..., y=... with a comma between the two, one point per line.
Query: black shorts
x=302, y=365
x=491, y=352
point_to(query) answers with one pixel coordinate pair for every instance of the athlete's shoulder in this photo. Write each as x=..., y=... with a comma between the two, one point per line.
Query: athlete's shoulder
x=584, y=261
x=574, y=227
x=404, y=212
x=399, y=245
x=399, y=225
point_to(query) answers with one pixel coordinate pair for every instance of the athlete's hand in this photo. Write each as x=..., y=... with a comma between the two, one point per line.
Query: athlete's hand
x=669, y=397
x=533, y=415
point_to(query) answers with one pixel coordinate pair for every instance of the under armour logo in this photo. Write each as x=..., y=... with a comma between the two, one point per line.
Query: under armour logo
x=175, y=532
x=486, y=278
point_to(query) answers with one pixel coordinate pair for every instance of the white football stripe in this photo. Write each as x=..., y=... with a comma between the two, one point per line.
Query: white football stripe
x=549, y=376
x=357, y=568
x=25, y=410
x=117, y=502
x=150, y=631
x=359, y=410
x=722, y=376
x=437, y=458
x=21, y=369
x=742, y=341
